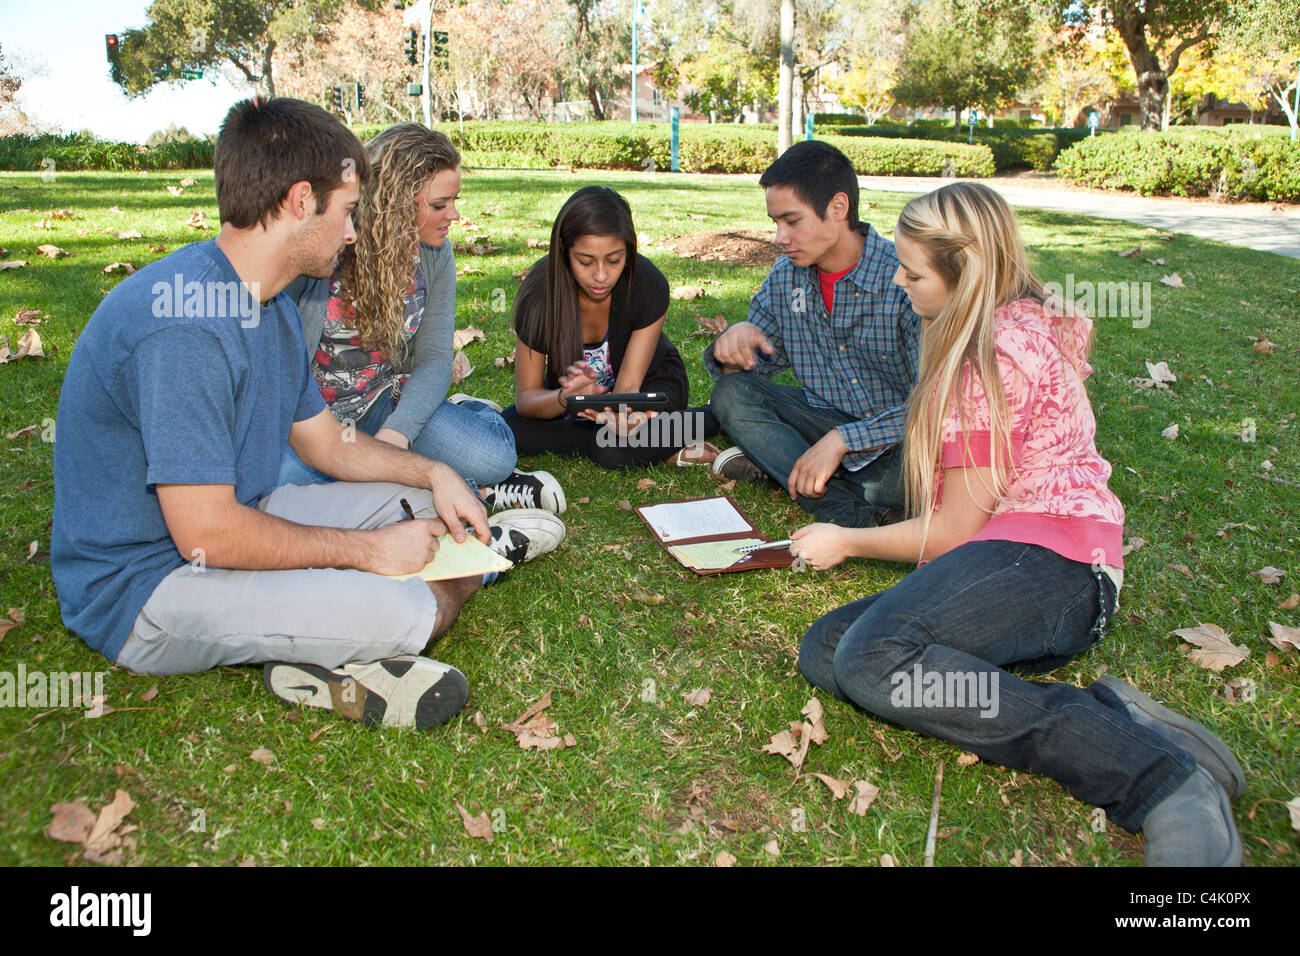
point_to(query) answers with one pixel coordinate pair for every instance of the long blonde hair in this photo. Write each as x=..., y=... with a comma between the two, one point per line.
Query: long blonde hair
x=970, y=236
x=376, y=269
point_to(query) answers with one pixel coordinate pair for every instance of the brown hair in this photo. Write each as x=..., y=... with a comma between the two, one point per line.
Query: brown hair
x=376, y=269
x=546, y=308
x=265, y=146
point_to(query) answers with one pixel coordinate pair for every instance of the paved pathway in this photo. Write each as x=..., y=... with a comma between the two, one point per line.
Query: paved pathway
x=1253, y=225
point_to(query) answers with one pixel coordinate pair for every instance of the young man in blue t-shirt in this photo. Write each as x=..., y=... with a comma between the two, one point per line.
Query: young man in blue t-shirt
x=172, y=549
x=829, y=310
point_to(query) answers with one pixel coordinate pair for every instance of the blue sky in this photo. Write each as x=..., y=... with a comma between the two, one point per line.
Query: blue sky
x=65, y=39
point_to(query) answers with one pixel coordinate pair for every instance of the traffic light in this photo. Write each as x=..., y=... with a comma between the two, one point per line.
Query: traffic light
x=361, y=97
x=113, y=49
x=336, y=99
x=440, y=50
x=412, y=47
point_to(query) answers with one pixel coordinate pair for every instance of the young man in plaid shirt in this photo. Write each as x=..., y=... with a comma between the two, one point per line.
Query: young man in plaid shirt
x=830, y=312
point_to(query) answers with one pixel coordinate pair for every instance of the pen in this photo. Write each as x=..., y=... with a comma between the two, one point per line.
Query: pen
x=751, y=548
x=406, y=509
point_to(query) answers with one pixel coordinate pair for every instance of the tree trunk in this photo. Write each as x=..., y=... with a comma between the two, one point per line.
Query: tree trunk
x=265, y=84
x=594, y=98
x=785, y=78
x=956, y=118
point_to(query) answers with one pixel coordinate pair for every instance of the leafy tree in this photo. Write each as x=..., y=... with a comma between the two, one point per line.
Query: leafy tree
x=1270, y=30
x=191, y=35
x=727, y=77
x=1148, y=28
x=869, y=86
x=960, y=53
x=12, y=119
x=1077, y=71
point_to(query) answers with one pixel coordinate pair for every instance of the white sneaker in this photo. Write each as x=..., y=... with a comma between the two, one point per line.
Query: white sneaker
x=524, y=533
x=526, y=489
x=408, y=691
x=460, y=398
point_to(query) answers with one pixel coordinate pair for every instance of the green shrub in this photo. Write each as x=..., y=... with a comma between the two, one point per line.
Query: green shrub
x=77, y=151
x=914, y=157
x=1013, y=147
x=837, y=119
x=1219, y=162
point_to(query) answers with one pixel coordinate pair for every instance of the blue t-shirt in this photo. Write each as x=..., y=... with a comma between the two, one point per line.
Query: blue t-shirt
x=180, y=377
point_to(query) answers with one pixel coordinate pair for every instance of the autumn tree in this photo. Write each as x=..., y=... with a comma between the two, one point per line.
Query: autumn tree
x=1270, y=31
x=962, y=53
x=12, y=119
x=1077, y=70
x=186, y=36
x=1156, y=34
x=598, y=45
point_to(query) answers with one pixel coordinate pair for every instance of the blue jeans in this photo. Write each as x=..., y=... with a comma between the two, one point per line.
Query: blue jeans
x=470, y=437
x=966, y=615
x=774, y=425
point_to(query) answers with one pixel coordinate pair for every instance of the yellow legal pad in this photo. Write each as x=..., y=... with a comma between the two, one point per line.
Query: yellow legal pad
x=469, y=558
x=711, y=555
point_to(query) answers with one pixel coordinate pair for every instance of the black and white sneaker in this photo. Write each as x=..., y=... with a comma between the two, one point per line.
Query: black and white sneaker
x=409, y=691
x=735, y=464
x=526, y=489
x=460, y=398
x=524, y=533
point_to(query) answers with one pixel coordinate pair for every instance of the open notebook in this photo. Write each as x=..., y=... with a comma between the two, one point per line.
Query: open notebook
x=470, y=558
x=703, y=533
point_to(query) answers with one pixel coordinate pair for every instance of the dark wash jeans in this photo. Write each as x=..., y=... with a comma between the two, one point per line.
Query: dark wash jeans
x=981, y=607
x=774, y=425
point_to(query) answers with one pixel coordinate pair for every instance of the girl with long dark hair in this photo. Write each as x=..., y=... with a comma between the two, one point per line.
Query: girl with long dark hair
x=589, y=319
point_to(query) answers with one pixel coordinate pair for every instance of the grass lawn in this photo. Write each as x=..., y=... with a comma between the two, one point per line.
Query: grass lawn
x=651, y=779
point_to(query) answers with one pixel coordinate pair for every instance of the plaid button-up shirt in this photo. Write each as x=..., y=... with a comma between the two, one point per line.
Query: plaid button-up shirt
x=859, y=359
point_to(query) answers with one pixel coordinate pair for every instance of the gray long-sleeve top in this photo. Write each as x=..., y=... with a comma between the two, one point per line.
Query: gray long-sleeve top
x=431, y=352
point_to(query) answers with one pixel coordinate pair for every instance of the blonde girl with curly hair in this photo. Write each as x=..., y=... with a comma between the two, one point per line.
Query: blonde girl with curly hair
x=379, y=332
x=1019, y=542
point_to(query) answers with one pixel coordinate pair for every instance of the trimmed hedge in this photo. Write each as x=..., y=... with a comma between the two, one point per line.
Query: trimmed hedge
x=1013, y=147
x=1190, y=162
x=704, y=148
x=74, y=152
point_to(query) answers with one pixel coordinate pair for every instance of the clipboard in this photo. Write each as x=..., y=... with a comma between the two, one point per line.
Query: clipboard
x=671, y=528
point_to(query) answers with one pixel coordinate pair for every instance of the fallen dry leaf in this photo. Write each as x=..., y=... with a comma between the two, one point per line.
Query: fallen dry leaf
x=262, y=756
x=1171, y=432
x=1269, y=574
x=688, y=292
x=14, y=264
x=71, y=823
x=1263, y=346
x=887, y=860
x=1290, y=604
x=27, y=317
x=538, y=243
x=175, y=190
x=103, y=837
x=22, y=432
x=967, y=758
x=1173, y=280
x=1131, y=253
x=717, y=325
x=651, y=598
x=198, y=220
x=1133, y=544
x=479, y=720
x=318, y=823
x=625, y=505
x=1293, y=805
x=786, y=743
x=1156, y=262
x=120, y=267
x=52, y=252
x=117, y=209
x=816, y=730
x=645, y=483
x=699, y=697
x=479, y=827
x=187, y=181
x=1160, y=373
x=462, y=337
x=1183, y=570
x=1215, y=649
x=150, y=694
x=128, y=234
x=1283, y=635
x=32, y=548
x=839, y=788
x=460, y=367
x=724, y=859
x=864, y=796
x=29, y=346
x=772, y=848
